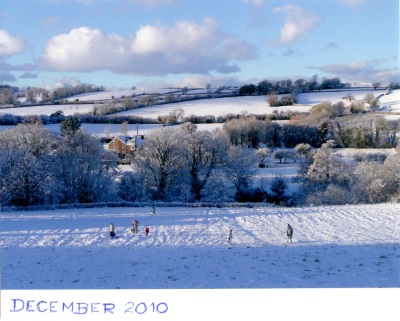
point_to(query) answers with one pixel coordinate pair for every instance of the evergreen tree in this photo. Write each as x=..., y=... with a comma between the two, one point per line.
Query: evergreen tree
x=70, y=125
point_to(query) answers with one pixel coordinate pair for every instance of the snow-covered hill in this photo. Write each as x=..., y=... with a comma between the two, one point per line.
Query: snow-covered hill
x=216, y=107
x=334, y=246
x=253, y=104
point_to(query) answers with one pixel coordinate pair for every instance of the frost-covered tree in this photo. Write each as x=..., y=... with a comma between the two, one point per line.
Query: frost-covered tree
x=280, y=154
x=332, y=195
x=188, y=127
x=391, y=175
x=326, y=167
x=326, y=177
x=130, y=187
x=375, y=182
x=246, y=131
x=204, y=152
x=303, y=150
x=217, y=190
x=262, y=154
x=70, y=125
x=369, y=184
x=27, y=168
x=85, y=168
x=176, y=116
x=161, y=160
x=240, y=167
x=6, y=96
x=278, y=191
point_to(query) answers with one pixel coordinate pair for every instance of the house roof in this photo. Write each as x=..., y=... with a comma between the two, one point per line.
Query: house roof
x=128, y=140
x=105, y=140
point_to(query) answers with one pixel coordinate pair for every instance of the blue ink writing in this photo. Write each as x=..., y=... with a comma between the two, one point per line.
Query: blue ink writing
x=42, y=306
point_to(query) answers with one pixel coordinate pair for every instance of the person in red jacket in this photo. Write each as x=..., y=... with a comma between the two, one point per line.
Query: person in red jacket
x=147, y=230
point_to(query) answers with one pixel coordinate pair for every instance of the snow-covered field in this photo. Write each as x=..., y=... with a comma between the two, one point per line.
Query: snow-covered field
x=333, y=247
x=101, y=130
x=68, y=110
x=259, y=104
x=217, y=106
x=117, y=94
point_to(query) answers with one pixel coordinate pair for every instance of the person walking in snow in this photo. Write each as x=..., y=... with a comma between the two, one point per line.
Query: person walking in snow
x=153, y=209
x=135, y=224
x=230, y=237
x=147, y=230
x=112, y=230
x=289, y=233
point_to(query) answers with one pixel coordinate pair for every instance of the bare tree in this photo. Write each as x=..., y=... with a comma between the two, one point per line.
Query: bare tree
x=240, y=166
x=161, y=161
x=176, y=115
x=204, y=152
x=262, y=154
x=273, y=99
x=376, y=85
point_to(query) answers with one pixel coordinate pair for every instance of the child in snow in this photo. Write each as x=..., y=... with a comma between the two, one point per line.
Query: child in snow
x=112, y=230
x=289, y=233
x=134, y=226
x=230, y=237
x=147, y=230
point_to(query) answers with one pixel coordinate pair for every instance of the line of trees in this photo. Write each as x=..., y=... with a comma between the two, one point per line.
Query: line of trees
x=9, y=95
x=38, y=167
x=288, y=86
x=328, y=179
x=251, y=132
x=356, y=126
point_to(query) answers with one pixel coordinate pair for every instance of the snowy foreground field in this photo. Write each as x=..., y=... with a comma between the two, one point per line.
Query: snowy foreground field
x=333, y=247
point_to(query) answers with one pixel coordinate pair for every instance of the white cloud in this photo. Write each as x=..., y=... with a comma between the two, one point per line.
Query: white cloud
x=66, y=82
x=9, y=45
x=85, y=49
x=298, y=22
x=185, y=47
x=183, y=37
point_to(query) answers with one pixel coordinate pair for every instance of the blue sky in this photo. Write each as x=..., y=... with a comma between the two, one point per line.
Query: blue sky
x=161, y=43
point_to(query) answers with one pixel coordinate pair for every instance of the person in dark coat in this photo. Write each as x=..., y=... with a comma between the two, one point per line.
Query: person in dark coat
x=112, y=230
x=230, y=237
x=289, y=233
